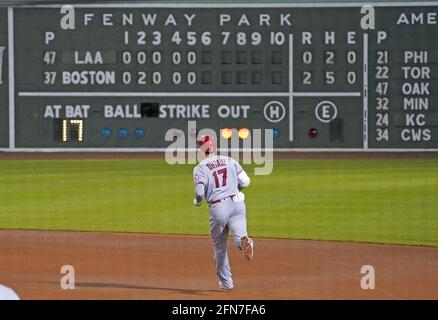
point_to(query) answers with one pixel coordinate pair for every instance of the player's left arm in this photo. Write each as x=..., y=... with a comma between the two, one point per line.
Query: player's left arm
x=244, y=180
x=199, y=180
x=242, y=177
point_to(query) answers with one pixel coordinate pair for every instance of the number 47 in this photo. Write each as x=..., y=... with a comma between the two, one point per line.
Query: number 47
x=49, y=57
x=223, y=173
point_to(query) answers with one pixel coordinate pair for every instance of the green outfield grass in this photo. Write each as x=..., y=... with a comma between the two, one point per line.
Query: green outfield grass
x=388, y=201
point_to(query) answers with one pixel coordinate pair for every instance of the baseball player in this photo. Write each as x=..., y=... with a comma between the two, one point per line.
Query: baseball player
x=218, y=180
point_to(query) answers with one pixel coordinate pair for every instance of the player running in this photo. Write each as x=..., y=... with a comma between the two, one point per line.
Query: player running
x=219, y=180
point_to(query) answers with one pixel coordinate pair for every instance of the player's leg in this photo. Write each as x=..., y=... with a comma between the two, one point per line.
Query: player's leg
x=219, y=236
x=238, y=228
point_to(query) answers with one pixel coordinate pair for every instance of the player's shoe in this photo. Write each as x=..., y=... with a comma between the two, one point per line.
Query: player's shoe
x=223, y=287
x=247, y=248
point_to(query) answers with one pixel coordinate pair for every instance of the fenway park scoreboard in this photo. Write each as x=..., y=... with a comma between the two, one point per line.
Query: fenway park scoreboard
x=321, y=76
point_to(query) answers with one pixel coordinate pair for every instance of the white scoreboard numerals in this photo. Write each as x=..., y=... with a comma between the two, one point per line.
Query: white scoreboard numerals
x=49, y=57
x=157, y=38
x=241, y=38
x=307, y=77
x=382, y=57
x=382, y=72
x=176, y=78
x=176, y=57
x=330, y=77
x=307, y=57
x=206, y=38
x=141, y=77
x=382, y=98
x=225, y=37
x=156, y=77
x=126, y=37
x=191, y=77
x=382, y=134
x=382, y=88
x=141, y=57
x=49, y=77
x=278, y=38
x=126, y=77
x=126, y=57
x=351, y=77
x=382, y=103
x=351, y=60
x=351, y=57
x=191, y=38
x=141, y=38
x=329, y=57
x=382, y=119
x=256, y=38
x=156, y=57
x=191, y=57
x=176, y=38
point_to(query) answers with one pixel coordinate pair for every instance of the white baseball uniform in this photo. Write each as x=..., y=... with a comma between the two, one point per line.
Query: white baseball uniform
x=7, y=293
x=218, y=180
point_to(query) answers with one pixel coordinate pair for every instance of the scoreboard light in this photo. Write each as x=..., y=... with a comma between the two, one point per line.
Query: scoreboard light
x=123, y=133
x=64, y=130
x=139, y=133
x=275, y=133
x=106, y=133
x=313, y=133
x=243, y=133
x=226, y=133
x=80, y=129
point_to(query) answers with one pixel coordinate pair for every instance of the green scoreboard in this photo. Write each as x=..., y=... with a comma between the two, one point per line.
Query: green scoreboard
x=328, y=76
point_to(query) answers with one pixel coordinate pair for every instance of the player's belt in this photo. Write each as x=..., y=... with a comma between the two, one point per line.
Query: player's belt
x=223, y=199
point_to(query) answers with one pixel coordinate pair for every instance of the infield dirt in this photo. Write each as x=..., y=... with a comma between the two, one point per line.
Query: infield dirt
x=141, y=266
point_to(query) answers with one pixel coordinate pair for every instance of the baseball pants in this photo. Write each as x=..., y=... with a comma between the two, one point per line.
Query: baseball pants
x=226, y=216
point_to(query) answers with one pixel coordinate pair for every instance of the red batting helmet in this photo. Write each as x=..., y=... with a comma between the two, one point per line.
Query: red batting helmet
x=207, y=144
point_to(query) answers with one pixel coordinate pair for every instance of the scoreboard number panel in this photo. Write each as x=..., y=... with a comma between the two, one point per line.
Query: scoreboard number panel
x=124, y=76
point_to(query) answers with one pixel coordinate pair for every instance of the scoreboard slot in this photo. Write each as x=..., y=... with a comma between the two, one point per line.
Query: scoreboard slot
x=149, y=109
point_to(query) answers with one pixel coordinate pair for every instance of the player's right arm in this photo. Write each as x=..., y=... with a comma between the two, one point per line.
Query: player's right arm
x=199, y=194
